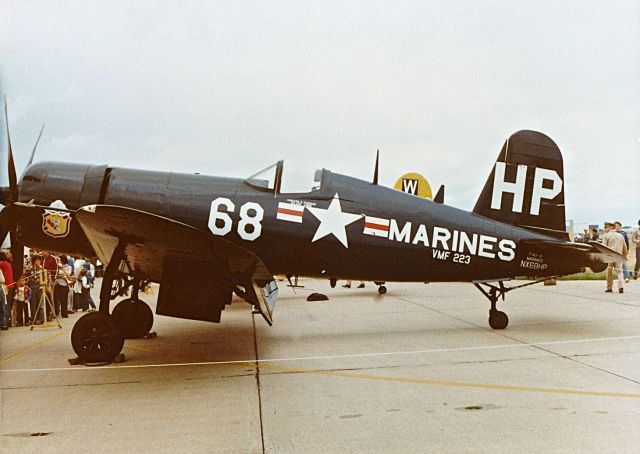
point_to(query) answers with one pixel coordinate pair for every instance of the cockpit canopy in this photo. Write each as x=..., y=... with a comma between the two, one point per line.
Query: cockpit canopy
x=299, y=177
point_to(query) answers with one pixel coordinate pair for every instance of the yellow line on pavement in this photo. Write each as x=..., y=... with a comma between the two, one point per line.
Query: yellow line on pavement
x=423, y=381
x=128, y=346
x=195, y=359
x=8, y=358
x=338, y=374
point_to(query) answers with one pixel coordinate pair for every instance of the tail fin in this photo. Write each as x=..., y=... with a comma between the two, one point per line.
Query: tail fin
x=526, y=185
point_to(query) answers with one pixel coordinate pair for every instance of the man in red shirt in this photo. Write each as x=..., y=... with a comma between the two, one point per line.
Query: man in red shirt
x=7, y=271
x=5, y=266
x=50, y=263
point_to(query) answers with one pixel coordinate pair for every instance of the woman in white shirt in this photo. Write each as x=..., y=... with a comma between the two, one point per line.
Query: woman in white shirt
x=81, y=289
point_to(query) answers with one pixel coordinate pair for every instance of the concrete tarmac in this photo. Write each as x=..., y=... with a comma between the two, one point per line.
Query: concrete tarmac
x=415, y=370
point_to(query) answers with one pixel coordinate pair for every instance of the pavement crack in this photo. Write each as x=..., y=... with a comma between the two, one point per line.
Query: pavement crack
x=387, y=367
x=571, y=358
x=606, y=371
x=215, y=378
x=594, y=299
x=257, y=366
x=445, y=314
x=567, y=357
x=72, y=385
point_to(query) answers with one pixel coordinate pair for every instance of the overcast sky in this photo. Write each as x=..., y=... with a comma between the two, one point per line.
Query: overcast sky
x=227, y=88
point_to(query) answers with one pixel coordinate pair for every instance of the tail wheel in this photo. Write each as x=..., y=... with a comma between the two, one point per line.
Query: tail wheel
x=498, y=319
x=96, y=338
x=133, y=317
x=382, y=290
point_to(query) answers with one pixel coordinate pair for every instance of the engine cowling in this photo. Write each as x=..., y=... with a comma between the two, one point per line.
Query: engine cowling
x=59, y=185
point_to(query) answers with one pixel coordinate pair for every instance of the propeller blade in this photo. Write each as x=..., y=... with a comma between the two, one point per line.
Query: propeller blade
x=6, y=223
x=13, y=178
x=8, y=226
x=17, y=251
x=5, y=195
x=33, y=152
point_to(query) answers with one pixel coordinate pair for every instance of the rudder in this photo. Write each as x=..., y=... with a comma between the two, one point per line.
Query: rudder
x=526, y=186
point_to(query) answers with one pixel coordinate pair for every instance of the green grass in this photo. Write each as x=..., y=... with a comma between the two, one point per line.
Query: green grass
x=586, y=276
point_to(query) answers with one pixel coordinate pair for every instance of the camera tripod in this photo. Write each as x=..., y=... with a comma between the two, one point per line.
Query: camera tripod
x=45, y=301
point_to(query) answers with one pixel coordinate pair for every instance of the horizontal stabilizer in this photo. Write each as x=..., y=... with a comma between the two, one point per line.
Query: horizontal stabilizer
x=605, y=253
x=592, y=251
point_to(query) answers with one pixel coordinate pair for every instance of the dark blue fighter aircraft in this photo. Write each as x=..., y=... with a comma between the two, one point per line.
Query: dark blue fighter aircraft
x=218, y=236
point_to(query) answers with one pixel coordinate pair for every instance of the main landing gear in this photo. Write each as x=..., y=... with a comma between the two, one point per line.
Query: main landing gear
x=134, y=317
x=98, y=337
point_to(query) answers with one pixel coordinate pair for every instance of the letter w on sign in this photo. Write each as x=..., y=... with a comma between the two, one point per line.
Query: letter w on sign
x=410, y=186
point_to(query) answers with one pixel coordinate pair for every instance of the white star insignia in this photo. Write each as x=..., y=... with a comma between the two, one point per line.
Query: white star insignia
x=333, y=221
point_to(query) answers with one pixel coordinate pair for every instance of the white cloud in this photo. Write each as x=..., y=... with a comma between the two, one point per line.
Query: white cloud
x=436, y=87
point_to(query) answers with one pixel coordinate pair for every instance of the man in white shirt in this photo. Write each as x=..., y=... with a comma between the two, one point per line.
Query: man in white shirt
x=77, y=266
x=615, y=241
x=635, y=239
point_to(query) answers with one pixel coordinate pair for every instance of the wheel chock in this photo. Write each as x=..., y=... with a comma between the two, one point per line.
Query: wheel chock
x=119, y=358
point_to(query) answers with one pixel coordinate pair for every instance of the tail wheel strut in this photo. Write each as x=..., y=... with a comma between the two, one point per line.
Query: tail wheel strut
x=498, y=319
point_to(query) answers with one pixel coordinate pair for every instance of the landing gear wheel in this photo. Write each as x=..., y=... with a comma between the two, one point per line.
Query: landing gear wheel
x=332, y=282
x=133, y=317
x=96, y=338
x=382, y=290
x=498, y=319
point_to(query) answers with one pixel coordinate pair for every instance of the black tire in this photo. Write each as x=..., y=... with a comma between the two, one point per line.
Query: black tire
x=382, y=290
x=498, y=320
x=96, y=338
x=133, y=317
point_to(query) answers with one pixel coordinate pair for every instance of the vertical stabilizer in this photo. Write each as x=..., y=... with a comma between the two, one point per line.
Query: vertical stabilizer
x=526, y=185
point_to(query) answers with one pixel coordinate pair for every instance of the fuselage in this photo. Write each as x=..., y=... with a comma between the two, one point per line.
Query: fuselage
x=390, y=235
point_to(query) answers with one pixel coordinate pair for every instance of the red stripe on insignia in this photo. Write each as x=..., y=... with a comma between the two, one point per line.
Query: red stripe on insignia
x=370, y=225
x=291, y=212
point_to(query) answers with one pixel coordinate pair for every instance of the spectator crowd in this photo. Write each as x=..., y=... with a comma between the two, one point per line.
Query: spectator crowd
x=51, y=286
x=617, y=239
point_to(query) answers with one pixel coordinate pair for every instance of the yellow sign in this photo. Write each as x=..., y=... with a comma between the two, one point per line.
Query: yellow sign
x=56, y=223
x=414, y=183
